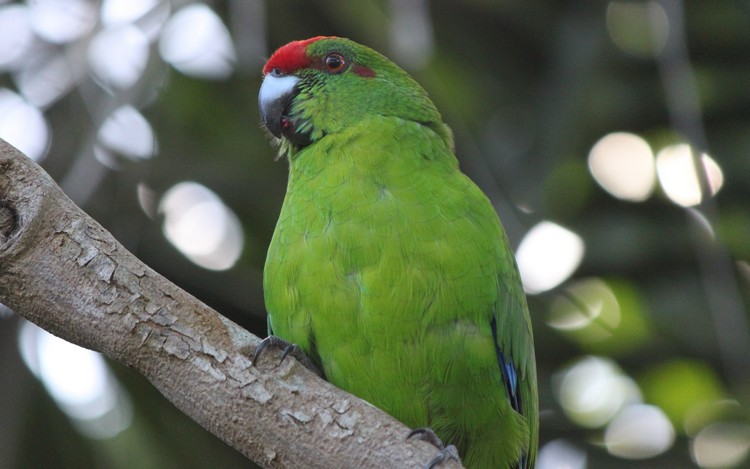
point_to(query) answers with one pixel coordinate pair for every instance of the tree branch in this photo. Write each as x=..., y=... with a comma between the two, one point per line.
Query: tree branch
x=61, y=270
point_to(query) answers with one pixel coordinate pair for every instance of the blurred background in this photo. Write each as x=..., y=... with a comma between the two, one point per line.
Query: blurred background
x=612, y=137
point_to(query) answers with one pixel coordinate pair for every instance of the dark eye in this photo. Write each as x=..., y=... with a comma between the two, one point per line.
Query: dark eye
x=335, y=62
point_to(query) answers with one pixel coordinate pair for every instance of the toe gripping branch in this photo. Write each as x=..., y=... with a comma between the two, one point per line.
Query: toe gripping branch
x=287, y=348
x=446, y=452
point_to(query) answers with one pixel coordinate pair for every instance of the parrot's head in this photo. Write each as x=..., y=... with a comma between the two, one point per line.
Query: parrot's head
x=324, y=85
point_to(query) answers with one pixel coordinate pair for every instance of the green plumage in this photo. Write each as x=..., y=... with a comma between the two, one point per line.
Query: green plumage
x=389, y=267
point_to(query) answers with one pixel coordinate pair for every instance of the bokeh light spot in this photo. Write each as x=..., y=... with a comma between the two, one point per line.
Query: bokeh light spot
x=62, y=21
x=411, y=32
x=117, y=12
x=721, y=444
x=118, y=55
x=623, y=164
x=196, y=42
x=16, y=36
x=148, y=16
x=147, y=200
x=593, y=390
x=676, y=171
x=639, y=431
x=23, y=125
x=639, y=28
x=547, y=256
x=201, y=227
x=605, y=317
x=44, y=78
x=79, y=382
x=587, y=301
x=128, y=133
x=560, y=454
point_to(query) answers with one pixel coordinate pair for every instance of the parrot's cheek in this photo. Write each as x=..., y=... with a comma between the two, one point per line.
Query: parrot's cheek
x=290, y=129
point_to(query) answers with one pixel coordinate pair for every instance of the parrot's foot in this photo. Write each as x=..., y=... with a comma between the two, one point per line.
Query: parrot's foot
x=287, y=348
x=446, y=452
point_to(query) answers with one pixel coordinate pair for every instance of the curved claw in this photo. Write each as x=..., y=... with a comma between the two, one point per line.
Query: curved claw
x=449, y=452
x=271, y=340
x=287, y=348
x=446, y=452
x=426, y=434
x=293, y=350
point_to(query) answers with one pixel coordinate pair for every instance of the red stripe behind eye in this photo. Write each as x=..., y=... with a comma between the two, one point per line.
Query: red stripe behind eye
x=291, y=57
x=363, y=71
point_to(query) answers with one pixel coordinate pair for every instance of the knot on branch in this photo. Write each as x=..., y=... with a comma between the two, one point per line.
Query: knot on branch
x=7, y=222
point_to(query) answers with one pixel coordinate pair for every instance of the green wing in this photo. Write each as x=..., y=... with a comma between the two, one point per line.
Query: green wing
x=511, y=327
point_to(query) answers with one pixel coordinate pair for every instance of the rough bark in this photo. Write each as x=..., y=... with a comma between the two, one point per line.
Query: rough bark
x=61, y=270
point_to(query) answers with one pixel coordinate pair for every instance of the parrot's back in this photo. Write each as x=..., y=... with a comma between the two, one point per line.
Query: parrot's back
x=389, y=268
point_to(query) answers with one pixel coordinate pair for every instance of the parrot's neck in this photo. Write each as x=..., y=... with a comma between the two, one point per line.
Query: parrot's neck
x=386, y=149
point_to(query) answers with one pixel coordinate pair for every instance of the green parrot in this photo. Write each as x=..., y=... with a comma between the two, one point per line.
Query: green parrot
x=388, y=267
